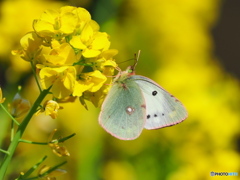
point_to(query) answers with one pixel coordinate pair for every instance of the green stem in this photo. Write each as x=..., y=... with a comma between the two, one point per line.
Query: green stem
x=52, y=169
x=32, y=142
x=19, y=133
x=3, y=151
x=46, y=143
x=32, y=169
x=35, y=76
x=47, y=172
x=14, y=120
x=12, y=131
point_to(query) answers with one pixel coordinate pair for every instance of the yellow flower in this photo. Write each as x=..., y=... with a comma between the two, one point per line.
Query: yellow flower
x=105, y=62
x=58, y=55
x=31, y=47
x=91, y=81
x=82, y=15
x=50, y=108
x=62, y=80
x=19, y=106
x=98, y=97
x=52, y=175
x=1, y=98
x=58, y=24
x=57, y=149
x=55, y=24
x=70, y=54
x=90, y=41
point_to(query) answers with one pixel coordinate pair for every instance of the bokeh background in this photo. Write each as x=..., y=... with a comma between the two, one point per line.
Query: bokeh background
x=191, y=48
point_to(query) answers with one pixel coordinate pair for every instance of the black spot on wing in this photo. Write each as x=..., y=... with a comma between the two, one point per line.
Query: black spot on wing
x=154, y=93
x=155, y=115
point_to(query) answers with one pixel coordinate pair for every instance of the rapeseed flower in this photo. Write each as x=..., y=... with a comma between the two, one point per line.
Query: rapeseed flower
x=91, y=81
x=19, y=106
x=91, y=42
x=69, y=53
x=106, y=65
x=31, y=47
x=50, y=108
x=55, y=24
x=57, y=149
x=52, y=175
x=58, y=55
x=62, y=80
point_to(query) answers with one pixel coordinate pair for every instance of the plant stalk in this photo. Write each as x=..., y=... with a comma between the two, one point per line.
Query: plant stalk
x=19, y=133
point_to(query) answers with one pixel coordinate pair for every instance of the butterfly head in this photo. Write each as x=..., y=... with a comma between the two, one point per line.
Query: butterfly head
x=130, y=71
x=125, y=74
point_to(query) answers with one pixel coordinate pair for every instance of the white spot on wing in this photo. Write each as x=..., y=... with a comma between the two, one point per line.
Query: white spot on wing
x=130, y=110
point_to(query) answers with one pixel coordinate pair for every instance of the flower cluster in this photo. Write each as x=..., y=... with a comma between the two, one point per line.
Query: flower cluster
x=70, y=54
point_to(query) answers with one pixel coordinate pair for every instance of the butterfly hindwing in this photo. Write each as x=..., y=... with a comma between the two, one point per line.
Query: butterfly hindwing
x=123, y=112
x=162, y=109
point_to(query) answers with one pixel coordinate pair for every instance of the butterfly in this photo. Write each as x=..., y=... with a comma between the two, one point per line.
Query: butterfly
x=136, y=102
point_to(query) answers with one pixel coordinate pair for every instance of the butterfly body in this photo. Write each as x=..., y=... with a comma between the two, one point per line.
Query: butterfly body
x=135, y=102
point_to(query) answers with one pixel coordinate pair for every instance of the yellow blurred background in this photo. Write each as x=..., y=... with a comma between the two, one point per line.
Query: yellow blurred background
x=177, y=51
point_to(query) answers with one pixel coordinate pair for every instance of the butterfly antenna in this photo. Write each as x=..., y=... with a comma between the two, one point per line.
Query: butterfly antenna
x=126, y=60
x=118, y=69
x=136, y=58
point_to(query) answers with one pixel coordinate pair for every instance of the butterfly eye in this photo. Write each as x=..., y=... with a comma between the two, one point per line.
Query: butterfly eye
x=154, y=93
x=148, y=116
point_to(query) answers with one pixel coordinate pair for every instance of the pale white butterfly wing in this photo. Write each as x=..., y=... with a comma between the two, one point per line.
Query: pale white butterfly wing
x=162, y=109
x=123, y=113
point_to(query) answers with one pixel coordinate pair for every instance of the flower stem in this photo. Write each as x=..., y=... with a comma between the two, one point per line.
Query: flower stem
x=19, y=133
x=46, y=143
x=35, y=76
x=3, y=151
x=12, y=131
x=14, y=120
x=31, y=142
x=32, y=169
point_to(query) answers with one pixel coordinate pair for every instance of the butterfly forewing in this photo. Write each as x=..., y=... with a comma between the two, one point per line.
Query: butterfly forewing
x=162, y=109
x=123, y=113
